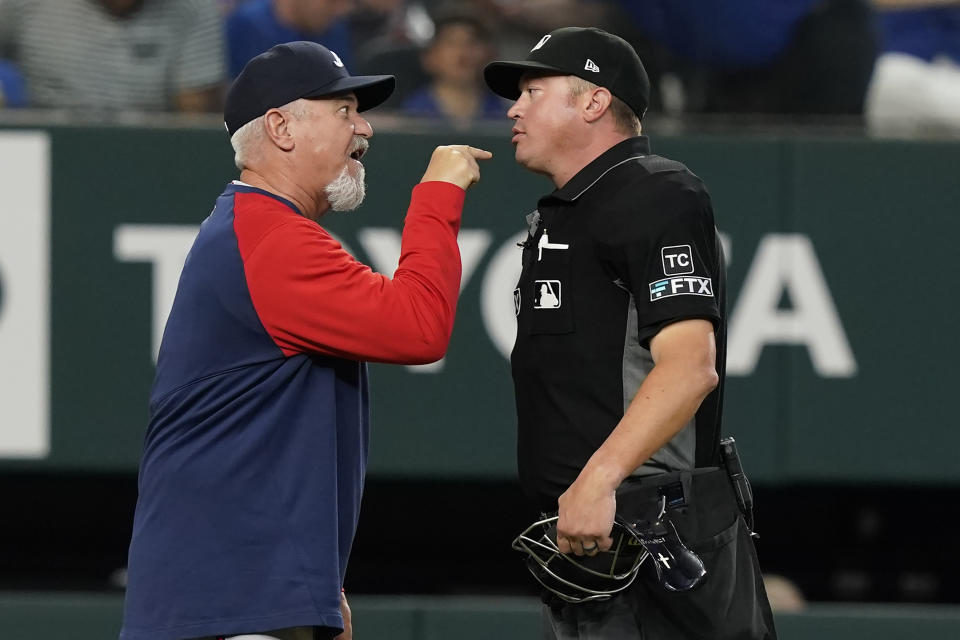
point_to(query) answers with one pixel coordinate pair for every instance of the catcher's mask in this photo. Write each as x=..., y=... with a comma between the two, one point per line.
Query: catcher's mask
x=578, y=579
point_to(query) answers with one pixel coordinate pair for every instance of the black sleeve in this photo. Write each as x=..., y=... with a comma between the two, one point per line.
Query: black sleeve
x=673, y=262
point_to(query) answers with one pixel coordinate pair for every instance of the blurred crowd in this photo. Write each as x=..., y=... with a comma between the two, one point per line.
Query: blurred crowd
x=892, y=64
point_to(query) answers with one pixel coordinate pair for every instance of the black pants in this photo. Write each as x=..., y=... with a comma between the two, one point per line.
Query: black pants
x=731, y=604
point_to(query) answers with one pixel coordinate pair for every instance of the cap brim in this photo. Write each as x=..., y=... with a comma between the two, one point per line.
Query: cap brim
x=370, y=90
x=503, y=77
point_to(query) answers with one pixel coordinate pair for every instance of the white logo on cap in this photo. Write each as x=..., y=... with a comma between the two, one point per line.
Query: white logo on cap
x=336, y=59
x=591, y=66
x=542, y=42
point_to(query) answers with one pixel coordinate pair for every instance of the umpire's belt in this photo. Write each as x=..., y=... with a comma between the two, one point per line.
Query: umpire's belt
x=697, y=501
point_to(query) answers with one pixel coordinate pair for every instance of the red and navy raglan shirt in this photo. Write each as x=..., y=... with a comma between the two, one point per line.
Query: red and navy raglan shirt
x=254, y=459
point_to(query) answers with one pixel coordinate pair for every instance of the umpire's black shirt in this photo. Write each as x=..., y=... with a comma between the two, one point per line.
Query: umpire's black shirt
x=623, y=249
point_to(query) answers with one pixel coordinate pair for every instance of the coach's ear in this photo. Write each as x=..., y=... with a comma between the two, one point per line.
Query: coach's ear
x=276, y=125
x=596, y=103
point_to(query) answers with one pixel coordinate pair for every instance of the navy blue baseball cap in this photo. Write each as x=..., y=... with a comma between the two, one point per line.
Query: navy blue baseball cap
x=294, y=70
x=602, y=58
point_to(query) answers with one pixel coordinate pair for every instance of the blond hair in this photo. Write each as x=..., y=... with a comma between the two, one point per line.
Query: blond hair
x=624, y=119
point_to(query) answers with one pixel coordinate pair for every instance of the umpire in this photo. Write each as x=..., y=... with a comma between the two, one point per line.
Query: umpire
x=618, y=366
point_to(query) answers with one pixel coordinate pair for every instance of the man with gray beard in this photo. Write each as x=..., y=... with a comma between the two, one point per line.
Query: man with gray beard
x=254, y=457
x=346, y=192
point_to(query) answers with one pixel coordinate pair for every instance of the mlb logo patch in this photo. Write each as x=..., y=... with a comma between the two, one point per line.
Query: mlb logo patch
x=546, y=294
x=677, y=260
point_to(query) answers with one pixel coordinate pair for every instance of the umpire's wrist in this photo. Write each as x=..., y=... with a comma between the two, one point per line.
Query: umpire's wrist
x=603, y=473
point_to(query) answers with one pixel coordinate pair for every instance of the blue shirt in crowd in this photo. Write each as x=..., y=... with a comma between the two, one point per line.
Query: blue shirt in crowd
x=13, y=90
x=721, y=33
x=253, y=28
x=423, y=104
x=924, y=33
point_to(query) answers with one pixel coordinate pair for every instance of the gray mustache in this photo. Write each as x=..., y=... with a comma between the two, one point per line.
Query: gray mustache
x=359, y=144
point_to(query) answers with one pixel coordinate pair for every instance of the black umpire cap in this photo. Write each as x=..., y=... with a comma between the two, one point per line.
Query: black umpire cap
x=295, y=70
x=586, y=52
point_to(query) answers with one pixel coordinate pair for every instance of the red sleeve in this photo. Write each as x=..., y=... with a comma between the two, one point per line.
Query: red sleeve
x=314, y=297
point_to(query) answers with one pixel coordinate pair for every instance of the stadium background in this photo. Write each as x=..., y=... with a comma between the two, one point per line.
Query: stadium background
x=843, y=347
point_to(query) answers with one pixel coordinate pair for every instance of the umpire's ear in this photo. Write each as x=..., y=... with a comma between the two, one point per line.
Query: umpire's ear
x=276, y=125
x=595, y=103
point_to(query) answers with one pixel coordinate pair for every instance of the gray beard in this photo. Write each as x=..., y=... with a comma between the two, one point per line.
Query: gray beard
x=346, y=192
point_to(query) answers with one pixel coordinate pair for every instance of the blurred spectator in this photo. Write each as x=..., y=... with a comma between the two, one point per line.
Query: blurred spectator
x=256, y=25
x=12, y=91
x=520, y=23
x=389, y=37
x=454, y=60
x=116, y=54
x=915, y=88
x=392, y=20
x=760, y=56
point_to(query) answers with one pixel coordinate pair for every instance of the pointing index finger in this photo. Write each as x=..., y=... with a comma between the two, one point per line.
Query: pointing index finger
x=480, y=154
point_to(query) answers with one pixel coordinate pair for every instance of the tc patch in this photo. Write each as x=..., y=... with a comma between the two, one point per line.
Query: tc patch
x=677, y=260
x=681, y=286
x=546, y=294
